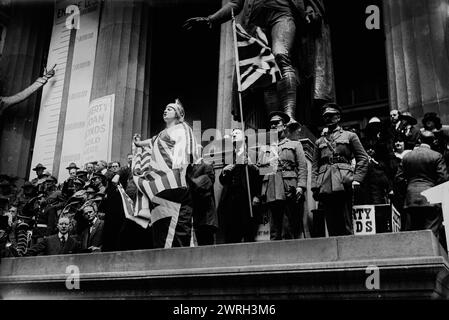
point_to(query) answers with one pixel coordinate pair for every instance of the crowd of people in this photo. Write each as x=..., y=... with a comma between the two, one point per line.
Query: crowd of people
x=74, y=210
x=405, y=160
x=392, y=162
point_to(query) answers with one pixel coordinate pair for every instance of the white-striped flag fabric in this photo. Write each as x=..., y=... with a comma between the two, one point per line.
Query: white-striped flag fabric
x=395, y=219
x=162, y=167
x=257, y=65
x=128, y=209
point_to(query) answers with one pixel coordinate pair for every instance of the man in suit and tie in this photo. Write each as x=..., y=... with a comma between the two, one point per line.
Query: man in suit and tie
x=92, y=236
x=422, y=169
x=60, y=243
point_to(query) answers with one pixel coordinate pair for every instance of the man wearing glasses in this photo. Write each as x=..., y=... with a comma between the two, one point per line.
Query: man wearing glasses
x=285, y=182
x=115, y=166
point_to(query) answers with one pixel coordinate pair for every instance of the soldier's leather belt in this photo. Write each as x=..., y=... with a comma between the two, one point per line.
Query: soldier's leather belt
x=286, y=168
x=332, y=160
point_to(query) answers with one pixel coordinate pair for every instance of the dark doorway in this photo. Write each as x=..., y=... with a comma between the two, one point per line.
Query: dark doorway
x=359, y=61
x=184, y=64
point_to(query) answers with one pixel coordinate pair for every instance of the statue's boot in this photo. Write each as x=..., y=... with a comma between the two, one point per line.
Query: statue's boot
x=287, y=88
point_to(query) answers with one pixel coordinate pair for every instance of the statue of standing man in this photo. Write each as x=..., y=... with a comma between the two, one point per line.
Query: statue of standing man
x=289, y=26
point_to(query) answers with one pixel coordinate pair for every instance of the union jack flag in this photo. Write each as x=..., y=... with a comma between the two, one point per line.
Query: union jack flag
x=257, y=65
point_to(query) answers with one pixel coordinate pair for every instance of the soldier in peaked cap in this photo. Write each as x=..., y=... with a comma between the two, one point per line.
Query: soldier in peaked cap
x=284, y=187
x=333, y=177
x=82, y=175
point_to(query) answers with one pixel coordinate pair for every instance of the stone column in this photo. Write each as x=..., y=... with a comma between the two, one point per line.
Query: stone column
x=27, y=39
x=225, y=78
x=121, y=68
x=418, y=65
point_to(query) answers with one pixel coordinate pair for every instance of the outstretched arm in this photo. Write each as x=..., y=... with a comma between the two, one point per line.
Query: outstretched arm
x=219, y=17
x=225, y=13
x=6, y=102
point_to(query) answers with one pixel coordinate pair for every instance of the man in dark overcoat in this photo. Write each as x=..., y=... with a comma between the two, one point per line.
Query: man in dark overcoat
x=422, y=169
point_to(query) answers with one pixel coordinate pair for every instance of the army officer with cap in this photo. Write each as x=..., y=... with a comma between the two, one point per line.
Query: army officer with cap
x=333, y=177
x=285, y=182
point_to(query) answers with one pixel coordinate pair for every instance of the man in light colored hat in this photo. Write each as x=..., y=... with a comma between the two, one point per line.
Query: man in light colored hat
x=283, y=189
x=333, y=177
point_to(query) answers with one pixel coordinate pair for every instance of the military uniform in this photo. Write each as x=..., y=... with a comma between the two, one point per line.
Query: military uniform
x=289, y=171
x=332, y=177
x=22, y=200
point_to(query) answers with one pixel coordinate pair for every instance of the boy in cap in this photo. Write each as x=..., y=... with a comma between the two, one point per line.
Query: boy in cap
x=333, y=178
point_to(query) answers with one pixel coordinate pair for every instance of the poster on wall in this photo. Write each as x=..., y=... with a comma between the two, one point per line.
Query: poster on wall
x=65, y=99
x=364, y=219
x=97, y=136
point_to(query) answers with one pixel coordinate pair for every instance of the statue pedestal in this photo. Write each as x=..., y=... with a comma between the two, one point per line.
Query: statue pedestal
x=409, y=265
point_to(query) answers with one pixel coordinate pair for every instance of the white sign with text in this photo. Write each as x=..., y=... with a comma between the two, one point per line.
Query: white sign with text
x=364, y=219
x=97, y=137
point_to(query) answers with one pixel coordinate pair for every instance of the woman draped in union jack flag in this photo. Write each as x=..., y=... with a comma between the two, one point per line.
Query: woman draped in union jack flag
x=159, y=168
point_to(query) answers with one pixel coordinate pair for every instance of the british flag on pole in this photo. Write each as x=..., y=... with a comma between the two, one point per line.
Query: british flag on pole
x=257, y=65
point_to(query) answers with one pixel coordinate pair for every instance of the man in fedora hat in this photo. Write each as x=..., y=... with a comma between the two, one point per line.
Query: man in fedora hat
x=283, y=188
x=39, y=169
x=100, y=181
x=73, y=168
x=408, y=130
x=333, y=177
x=68, y=186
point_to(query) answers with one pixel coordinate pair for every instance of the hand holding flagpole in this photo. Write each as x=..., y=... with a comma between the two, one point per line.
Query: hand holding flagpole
x=239, y=87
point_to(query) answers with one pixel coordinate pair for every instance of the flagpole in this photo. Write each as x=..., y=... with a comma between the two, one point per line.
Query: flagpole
x=239, y=89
